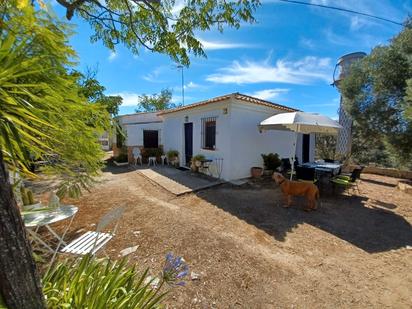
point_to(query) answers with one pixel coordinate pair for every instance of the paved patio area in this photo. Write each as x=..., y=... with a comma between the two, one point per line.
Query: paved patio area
x=178, y=182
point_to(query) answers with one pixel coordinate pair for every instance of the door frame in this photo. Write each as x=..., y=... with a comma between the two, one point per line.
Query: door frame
x=187, y=157
x=305, y=148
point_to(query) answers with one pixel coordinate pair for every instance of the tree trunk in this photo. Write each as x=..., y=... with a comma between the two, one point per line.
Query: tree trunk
x=20, y=285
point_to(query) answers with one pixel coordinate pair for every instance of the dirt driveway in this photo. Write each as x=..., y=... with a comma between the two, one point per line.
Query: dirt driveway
x=354, y=252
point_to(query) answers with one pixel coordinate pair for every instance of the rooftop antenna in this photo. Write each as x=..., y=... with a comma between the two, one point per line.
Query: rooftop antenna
x=181, y=67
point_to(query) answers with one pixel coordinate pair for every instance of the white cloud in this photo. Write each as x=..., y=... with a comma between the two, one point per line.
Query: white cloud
x=112, y=56
x=307, y=43
x=385, y=9
x=177, y=7
x=192, y=85
x=216, y=45
x=129, y=98
x=307, y=70
x=189, y=86
x=269, y=94
x=356, y=23
x=336, y=39
x=178, y=99
x=154, y=75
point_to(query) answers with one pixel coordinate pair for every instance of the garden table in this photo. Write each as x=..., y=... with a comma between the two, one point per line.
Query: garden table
x=45, y=217
x=332, y=168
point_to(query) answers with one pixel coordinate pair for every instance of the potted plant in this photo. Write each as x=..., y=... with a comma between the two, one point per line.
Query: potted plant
x=173, y=157
x=271, y=161
x=121, y=160
x=256, y=171
x=196, y=162
x=152, y=152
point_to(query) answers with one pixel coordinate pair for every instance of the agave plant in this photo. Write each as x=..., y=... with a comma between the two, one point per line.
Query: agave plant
x=101, y=283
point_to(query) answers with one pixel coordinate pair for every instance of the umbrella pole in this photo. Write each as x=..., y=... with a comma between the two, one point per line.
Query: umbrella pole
x=293, y=155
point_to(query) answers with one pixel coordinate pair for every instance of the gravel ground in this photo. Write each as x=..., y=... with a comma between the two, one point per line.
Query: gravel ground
x=353, y=252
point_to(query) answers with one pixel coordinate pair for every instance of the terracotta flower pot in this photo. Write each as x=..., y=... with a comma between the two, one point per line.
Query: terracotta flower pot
x=256, y=172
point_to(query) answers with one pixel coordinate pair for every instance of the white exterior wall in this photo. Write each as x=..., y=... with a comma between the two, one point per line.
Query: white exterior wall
x=134, y=124
x=173, y=133
x=238, y=140
x=247, y=143
x=134, y=132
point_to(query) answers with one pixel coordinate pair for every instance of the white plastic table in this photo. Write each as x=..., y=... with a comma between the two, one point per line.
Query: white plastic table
x=36, y=218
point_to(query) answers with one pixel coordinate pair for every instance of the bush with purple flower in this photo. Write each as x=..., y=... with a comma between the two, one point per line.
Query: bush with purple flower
x=174, y=270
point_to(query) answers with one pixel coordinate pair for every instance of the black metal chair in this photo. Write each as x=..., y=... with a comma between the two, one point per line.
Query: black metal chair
x=348, y=181
x=349, y=175
x=305, y=174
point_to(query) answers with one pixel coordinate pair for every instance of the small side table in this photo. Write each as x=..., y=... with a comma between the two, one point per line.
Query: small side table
x=152, y=160
x=163, y=158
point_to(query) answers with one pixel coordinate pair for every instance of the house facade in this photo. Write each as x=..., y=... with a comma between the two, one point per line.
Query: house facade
x=223, y=129
x=142, y=130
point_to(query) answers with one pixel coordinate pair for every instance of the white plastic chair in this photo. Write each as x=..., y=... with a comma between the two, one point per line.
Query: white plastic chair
x=91, y=242
x=152, y=161
x=137, y=156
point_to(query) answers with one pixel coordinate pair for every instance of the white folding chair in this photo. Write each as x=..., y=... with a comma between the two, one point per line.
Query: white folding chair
x=91, y=242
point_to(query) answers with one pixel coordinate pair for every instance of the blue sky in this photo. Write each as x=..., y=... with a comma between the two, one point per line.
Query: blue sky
x=287, y=57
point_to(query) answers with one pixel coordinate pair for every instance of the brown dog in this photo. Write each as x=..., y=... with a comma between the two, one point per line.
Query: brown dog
x=289, y=188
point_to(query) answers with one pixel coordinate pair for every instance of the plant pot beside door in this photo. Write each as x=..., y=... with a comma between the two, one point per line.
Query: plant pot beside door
x=256, y=172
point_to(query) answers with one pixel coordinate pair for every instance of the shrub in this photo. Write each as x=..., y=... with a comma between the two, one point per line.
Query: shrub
x=152, y=152
x=198, y=157
x=102, y=283
x=271, y=161
x=122, y=157
x=172, y=154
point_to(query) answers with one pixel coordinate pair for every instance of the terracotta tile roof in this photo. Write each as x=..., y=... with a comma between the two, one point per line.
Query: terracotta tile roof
x=238, y=96
x=144, y=117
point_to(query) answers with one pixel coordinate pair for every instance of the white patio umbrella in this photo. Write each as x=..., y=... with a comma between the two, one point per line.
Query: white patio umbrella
x=301, y=122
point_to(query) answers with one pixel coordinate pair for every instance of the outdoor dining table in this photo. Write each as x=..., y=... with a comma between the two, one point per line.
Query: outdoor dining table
x=324, y=167
x=45, y=217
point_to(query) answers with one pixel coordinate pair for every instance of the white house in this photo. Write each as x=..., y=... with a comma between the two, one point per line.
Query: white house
x=142, y=130
x=226, y=127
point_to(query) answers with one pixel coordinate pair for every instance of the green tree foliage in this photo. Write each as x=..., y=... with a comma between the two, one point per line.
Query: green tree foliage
x=41, y=111
x=377, y=94
x=158, y=25
x=155, y=102
x=325, y=147
x=93, y=91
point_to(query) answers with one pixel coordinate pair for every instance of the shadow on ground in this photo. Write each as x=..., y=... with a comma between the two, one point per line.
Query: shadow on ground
x=110, y=167
x=347, y=217
x=187, y=178
x=377, y=182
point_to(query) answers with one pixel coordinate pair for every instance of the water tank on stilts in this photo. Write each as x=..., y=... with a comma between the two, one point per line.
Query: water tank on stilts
x=342, y=68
